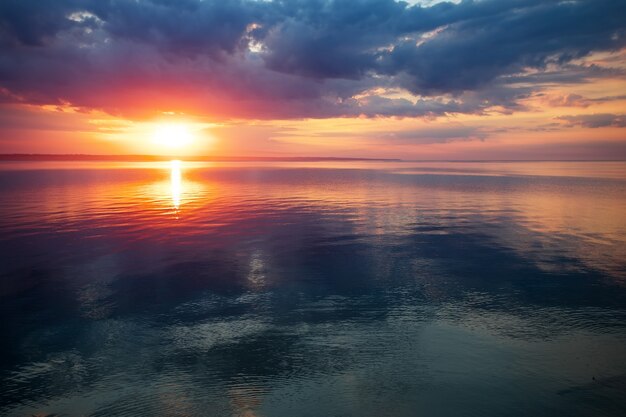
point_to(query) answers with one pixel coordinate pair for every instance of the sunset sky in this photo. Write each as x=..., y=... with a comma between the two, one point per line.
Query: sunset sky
x=490, y=79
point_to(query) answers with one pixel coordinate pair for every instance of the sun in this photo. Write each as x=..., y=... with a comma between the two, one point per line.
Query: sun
x=172, y=135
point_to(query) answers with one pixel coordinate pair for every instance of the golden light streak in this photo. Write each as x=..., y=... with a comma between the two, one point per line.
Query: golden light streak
x=175, y=183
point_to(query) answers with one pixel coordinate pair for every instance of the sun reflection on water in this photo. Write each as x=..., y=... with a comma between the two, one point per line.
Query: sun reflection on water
x=173, y=187
x=176, y=183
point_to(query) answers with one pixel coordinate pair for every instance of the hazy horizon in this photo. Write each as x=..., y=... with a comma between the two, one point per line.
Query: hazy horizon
x=244, y=158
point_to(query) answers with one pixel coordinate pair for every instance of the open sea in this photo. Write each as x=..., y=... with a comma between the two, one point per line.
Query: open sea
x=313, y=289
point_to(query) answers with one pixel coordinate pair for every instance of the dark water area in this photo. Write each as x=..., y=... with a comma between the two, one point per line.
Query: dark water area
x=313, y=289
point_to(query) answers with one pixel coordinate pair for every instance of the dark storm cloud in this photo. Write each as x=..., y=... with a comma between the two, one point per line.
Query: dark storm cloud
x=475, y=51
x=182, y=27
x=299, y=58
x=31, y=23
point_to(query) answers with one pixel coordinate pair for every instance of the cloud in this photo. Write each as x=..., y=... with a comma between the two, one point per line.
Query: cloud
x=299, y=58
x=595, y=120
x=428, y=134
x=435, y=135
x=564, y=100
x=488, y=41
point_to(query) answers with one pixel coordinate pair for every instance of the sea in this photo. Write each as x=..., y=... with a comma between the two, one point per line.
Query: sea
x=312, y=288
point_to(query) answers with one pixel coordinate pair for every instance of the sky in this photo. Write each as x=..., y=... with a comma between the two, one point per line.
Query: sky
x=482, y=79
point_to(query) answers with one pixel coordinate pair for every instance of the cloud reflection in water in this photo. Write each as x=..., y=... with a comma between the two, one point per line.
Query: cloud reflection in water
x=379, y=289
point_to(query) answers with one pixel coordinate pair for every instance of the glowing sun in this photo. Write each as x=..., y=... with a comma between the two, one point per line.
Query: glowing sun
x=173, y=136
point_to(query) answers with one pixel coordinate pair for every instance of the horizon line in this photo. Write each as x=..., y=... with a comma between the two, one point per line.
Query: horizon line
x=221, y=158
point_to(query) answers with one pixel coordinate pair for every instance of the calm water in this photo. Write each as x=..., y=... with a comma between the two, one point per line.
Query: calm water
x=362, y=289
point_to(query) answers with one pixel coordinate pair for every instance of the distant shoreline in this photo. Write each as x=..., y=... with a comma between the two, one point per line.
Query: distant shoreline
x=159, y=158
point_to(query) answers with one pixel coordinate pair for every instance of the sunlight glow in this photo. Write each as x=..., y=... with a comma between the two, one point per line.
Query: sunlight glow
x=173, y=136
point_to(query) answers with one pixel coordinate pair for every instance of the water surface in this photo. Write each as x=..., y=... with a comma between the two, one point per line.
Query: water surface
x=310, y=289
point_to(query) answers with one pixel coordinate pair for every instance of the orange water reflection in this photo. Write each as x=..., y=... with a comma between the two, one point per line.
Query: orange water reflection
x=166, y=192
x=176, y=183
x=539, y=211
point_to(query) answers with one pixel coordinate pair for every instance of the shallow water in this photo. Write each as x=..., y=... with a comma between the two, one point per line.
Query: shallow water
x=310, y=289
